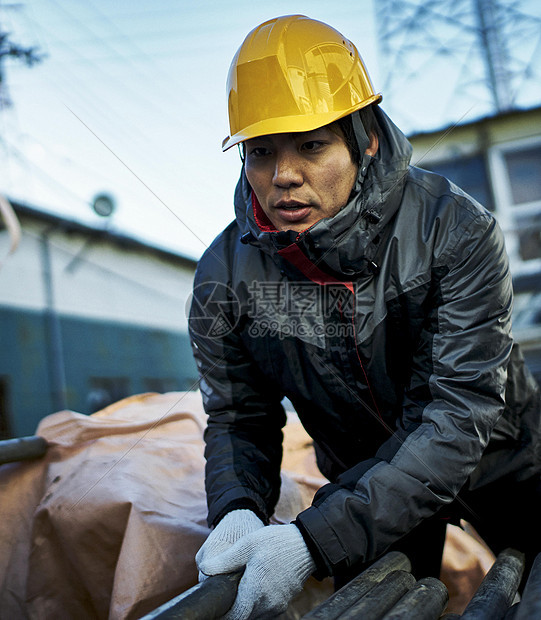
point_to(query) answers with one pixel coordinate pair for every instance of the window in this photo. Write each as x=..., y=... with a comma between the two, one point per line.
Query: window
x=529, y=235
x=527, y=310
x=524, y=170
x=161, y=385
x=518, y=181
x=104, y=391
x=469, y=173
x=527, y=318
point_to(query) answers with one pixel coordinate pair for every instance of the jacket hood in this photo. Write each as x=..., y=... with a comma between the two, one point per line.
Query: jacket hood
x=345, y=244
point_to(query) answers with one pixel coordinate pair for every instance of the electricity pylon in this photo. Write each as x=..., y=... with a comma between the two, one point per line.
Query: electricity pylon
x=484, y=51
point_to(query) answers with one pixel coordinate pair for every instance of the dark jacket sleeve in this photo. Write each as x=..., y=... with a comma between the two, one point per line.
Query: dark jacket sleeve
x=244, y=432
x=450, y=407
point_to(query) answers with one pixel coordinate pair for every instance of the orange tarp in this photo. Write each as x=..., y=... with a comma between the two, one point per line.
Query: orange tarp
x=107, y=524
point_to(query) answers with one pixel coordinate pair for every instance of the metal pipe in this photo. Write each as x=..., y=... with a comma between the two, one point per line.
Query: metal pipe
x=425, y=601
x=349, y=594
x=381, y=598
x=530, y=605
x=498, y=589
x=209, y=600
x=22, y=449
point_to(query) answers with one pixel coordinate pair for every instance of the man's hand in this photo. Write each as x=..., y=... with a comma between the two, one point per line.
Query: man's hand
x=233, y=526
x=277, y=564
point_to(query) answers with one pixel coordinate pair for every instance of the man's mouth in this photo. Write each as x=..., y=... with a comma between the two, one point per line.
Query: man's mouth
x=292, y=211
x=290, y=205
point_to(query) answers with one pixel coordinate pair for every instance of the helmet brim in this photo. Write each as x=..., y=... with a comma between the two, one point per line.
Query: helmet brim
x=293, y=124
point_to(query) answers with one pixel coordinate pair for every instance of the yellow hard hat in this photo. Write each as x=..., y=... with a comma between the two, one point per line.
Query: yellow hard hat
x=291, y=74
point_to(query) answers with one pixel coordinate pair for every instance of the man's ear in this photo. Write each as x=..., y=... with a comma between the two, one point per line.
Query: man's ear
x=374, y=144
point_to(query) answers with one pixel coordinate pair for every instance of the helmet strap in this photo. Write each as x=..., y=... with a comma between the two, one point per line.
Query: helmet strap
x=240, y=146
x=363, y=142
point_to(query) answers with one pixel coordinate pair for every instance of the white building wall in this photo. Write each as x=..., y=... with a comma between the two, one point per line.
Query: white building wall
x=21, y=279
x=95, y=278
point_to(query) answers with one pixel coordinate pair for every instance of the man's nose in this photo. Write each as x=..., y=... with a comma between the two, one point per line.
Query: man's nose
x=287, y=170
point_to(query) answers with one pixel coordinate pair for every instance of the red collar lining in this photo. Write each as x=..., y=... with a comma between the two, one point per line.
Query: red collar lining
x=297, y=258
x=261, y=219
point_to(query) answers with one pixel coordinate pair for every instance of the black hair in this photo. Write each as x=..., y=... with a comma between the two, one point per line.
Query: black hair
x=370, y=124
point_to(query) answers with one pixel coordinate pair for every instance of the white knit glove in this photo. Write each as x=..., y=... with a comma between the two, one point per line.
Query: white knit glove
x=277, y=564
x=233, y=526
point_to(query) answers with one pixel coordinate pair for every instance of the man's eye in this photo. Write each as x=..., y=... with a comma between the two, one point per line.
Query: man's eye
x=312, y=145
x=258, y=151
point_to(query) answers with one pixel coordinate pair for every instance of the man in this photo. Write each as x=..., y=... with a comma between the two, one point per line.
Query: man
x=377, y=298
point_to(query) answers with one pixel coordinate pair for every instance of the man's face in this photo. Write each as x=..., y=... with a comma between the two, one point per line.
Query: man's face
x=300, y=178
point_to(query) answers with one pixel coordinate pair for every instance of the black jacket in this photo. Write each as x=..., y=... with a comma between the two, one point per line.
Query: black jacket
x=388, y=327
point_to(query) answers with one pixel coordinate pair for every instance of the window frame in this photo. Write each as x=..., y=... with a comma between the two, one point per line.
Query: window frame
x=507, y=211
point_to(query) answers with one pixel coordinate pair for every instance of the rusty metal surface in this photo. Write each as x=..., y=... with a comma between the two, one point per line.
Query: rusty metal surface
x=385, y=591
x=425, y=601
x=496, y=593
x=381, y=598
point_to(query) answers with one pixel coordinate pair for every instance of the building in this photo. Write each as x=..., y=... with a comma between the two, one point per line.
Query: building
x=88, y=316
x=498, y=161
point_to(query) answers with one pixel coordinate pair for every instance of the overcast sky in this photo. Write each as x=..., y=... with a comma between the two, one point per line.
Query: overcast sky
x=130, y=100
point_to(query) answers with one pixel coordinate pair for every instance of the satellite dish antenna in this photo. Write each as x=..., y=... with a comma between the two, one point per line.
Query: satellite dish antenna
x=103, y=205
